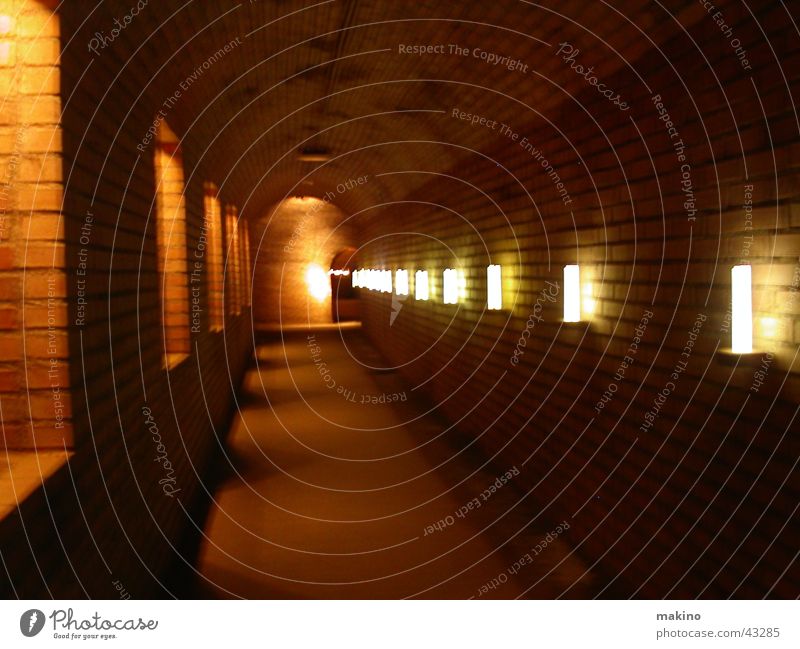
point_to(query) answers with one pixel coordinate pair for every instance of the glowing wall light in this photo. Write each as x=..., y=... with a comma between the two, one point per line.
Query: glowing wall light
x=386, y=281
x=494, y=287
x=317, y=280
x=572, y=293
x=356, y=279
x=588, y=303
x=769, y=327
x=421, y=285
x=401, y=281
x=450, y=277
x=741, y=309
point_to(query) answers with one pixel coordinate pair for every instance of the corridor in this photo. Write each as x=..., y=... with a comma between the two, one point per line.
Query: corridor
x=349, y=488
x=348, y=299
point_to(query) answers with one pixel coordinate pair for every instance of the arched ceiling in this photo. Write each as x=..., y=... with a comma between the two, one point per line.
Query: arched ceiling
x=329, y=76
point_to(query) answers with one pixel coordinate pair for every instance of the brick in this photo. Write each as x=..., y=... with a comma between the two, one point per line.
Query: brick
x=6, y=257
x=39, y=51
x=44, y=404
x=42, y=139
x=39, y=169
x=10, y=287
x=37, y=25
x=42, y=227
x=44, y=285
x=39, y=109
x=38, y=197
x=10, y=347
x=45, y=376
x=46, y=344
x=9, y=380
x=41, y=80
x=8, y=318
x=42, y=256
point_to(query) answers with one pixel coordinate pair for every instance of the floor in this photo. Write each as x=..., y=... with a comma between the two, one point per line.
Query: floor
x=23, y=472
x=340, y=486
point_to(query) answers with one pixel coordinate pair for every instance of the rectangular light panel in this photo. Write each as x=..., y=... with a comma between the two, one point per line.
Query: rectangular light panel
x=494, y=287
x=741, y=309
x=401, y=281
x=421, y=285
x=572, y=293
x=450, y=286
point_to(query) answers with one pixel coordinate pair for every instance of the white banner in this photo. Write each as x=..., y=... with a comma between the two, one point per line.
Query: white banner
x=401, y=624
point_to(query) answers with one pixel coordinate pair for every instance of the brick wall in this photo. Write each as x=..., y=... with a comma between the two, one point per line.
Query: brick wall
x=702, y=502
x=288, y=239
x=143, y=436
x=34, y=374
x=170, y=215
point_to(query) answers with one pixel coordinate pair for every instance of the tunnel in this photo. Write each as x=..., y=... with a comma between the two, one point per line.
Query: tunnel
x=354, y=300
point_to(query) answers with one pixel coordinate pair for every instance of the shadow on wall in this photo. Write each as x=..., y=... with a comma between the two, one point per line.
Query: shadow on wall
x=293, y=245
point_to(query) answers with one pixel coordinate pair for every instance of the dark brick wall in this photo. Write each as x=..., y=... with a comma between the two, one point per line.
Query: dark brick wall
x=704, y=501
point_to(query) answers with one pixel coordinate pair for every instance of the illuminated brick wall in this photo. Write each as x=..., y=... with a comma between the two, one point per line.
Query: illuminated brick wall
x=112, y=512
x=288, y=240
x=171, y=239
x=214, y=236
x=34, y=373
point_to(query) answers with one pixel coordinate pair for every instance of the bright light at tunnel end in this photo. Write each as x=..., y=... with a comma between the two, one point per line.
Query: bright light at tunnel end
x=741, y=310
x=319, y=286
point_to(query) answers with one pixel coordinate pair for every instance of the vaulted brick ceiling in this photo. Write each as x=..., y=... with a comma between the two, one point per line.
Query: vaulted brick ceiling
x=329, y=75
